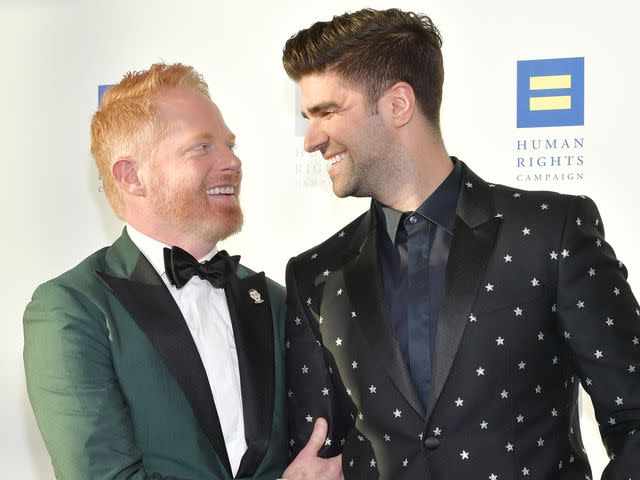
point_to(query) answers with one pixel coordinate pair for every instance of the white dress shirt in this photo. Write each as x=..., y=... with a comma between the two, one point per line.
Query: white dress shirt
x=206, y=312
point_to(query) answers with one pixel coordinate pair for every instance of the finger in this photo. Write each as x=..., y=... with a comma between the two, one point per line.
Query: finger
x=318, y=436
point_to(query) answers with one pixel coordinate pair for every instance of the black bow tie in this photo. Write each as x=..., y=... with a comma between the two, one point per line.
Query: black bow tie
x=180, y=266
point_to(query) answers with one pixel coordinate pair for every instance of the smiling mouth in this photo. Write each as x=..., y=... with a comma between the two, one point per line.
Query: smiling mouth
x=228, y=190
x=336, y=159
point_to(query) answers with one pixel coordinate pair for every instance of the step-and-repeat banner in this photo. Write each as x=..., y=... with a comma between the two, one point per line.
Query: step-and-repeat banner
x=502, y=59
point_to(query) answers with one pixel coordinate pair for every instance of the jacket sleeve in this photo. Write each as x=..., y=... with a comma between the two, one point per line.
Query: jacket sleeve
x=74, y=391
x=599, y=319
x=314, y=387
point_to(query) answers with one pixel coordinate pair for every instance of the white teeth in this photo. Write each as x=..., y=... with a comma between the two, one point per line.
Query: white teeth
x=220, y=190
x=335, y=159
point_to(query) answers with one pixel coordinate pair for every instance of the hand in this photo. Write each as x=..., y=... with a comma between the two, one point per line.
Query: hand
x=308, y=466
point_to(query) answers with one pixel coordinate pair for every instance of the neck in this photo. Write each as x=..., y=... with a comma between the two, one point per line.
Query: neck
x=425, y=165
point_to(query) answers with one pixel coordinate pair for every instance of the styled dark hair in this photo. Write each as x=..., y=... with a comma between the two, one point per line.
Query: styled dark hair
x=371, y=50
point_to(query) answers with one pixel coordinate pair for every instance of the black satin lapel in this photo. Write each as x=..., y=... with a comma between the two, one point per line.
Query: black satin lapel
x=155, y=311
x=253, y=332
x=468, y=258
x=364, y=286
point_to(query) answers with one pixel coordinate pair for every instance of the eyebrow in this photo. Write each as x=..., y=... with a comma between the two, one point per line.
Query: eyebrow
x=319, y=107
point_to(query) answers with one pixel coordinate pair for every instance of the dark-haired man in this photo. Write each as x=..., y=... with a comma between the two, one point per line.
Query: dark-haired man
x=444, y=333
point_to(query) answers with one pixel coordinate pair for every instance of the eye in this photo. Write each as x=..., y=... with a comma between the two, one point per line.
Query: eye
x=233, y=147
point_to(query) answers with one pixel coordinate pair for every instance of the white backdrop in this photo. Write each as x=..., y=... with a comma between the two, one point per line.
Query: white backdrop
x=56, y=53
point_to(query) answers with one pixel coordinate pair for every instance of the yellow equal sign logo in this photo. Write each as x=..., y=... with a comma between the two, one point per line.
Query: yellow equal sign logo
x=550, y=82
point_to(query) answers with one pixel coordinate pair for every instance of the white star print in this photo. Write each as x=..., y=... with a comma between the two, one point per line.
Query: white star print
x=349, y=391
x=598, y=243
x=472, y=318
x=387, y=438
x=538, y=389
x=480, y=371
x=314, y=256
x=353, y=314
x=565, y=253
x=507, y=258
x=578, y=222
x=518, y=312
x=592, y=272
x=354, y=364
x=588, y=381
x=469, y=185
x=493, y=476
x=567, y=335
x=632, y=369
x=320, y=320
x=309, y=418
x=520, y=418
x=535, y=282
x=372, y=463
x=464, y=455
x=289, y=394
x=609, y=322
x=360, y=416
x=598, y=354
x=372, y=389
x=325, y=273
x=521, y=365
x=504, y=394
x=327, y=442
x=351, y=463
x=580, y=304
x=405, y=462
x=459, y=402
x=341, y=234
x=500, y=341
x=612, y=421
x=554, y=413
x=540, y=442
x=544, y=206
x=636, y=340
x=526, y=231
x=309, y=301
x=499, y=215
x=525, y=471
x=516, y=195
x=509, y=447
x=339, y=292
x=489, y=287
x=397, y=413
x=553, y=255
x=483, y=425
x=555, y=360
x=436, y=431
x=338, y=341
x=297, y=320
x=616, y=291
x=305, y=369
x=325, y=391
x=540, y=336
x=619, y=401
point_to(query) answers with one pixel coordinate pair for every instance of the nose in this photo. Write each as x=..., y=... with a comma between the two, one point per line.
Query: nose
x=315, y=138
x=231, y=162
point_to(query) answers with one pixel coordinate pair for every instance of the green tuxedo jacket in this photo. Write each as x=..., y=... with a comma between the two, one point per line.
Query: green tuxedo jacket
x=117, y=385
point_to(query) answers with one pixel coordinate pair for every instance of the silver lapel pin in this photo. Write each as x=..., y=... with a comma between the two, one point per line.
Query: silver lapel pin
x=255, y=296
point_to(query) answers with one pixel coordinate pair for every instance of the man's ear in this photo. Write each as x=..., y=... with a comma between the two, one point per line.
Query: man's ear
x=399, y=103
x=125, y=172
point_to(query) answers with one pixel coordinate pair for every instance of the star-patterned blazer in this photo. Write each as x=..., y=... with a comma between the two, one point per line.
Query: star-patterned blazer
x=535, y=305
x=117, y=384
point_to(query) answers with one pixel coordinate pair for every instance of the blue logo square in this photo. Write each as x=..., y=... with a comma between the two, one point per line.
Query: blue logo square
x=101, y=90
x=551, y=92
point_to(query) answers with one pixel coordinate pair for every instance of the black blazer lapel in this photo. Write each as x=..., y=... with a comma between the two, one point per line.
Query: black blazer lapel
x=253, y=331
x=364, y=286
x=146, y=298
x=475, y=233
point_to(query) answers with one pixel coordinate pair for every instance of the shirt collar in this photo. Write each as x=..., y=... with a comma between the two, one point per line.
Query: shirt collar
x=153, y=250
x=439, y=207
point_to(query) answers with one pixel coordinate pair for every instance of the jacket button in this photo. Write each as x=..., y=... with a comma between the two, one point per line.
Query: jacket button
x=431, y=443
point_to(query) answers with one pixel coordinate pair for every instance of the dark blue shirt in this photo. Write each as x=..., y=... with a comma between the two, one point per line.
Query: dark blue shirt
x=413, y=252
